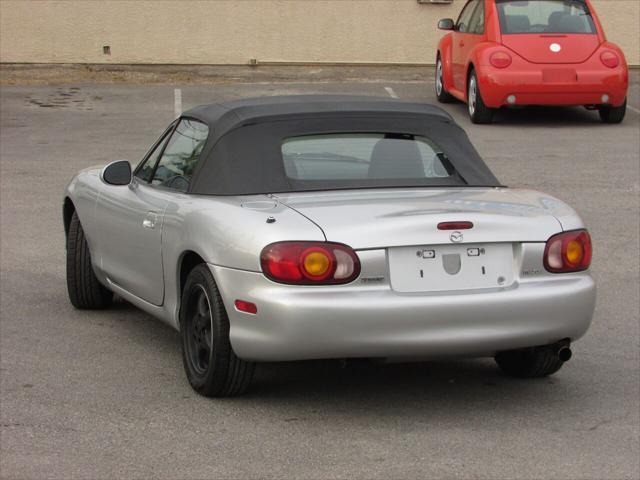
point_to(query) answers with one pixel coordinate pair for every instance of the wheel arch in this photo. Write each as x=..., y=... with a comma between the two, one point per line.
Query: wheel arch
x=68, y=208
x=444, y=52
x=188, y=261
x=470, y=68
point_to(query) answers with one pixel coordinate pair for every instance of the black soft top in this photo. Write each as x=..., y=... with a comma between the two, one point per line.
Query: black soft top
x=242, y=155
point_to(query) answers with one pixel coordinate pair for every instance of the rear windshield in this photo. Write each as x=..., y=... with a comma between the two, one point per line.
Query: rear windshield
x=364, y=156
x=544, y=16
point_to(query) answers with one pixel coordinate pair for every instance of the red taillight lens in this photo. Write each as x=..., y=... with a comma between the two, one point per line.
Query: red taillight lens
x=609, y=59
x=568, y=252
x=310, y=263
x=500, y=59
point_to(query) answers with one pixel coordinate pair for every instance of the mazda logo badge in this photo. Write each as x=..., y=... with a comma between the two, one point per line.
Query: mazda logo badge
x=455, y=237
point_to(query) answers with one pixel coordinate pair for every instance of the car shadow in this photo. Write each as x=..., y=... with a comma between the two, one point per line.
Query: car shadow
x=541, y=116
x=336, y=386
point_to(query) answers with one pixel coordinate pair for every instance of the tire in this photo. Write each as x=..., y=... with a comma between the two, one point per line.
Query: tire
x=613, y=114
x=212, y=368
x=479, y=113
x=441, y=93
x=529, y=362
x=85, y=291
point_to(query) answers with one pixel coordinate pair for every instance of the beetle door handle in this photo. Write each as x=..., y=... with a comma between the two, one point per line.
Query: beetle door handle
x=461, y=43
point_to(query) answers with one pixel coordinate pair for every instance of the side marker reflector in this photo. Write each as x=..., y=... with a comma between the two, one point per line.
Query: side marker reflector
x=246, y=307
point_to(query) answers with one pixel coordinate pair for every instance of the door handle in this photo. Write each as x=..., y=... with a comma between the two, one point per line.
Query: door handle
x=461, y=44
x=150, y=220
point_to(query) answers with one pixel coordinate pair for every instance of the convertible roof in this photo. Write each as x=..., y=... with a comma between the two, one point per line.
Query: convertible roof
x=243, y=151
x=225, y=116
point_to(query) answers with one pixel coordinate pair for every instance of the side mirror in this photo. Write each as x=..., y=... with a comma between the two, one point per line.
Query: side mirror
x=445, y=24
x=117, y=173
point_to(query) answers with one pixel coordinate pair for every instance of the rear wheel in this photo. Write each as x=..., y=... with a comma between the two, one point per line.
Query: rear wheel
x=442, y=95
x=529, y=362
x=478, y=111
x=613, y=114
x=85, y=291
x=213, y=369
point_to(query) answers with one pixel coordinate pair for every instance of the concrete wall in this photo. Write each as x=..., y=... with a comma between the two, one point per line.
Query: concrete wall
x=235, y=31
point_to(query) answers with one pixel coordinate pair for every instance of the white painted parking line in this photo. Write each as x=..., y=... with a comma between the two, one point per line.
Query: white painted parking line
x=633, y=109
x=391, y=93
x=177, y=102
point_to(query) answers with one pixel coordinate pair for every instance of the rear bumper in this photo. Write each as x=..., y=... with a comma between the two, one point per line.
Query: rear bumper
x=296, y=323
x=531, y=85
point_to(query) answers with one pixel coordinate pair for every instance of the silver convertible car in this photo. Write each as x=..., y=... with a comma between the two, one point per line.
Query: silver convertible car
x=329, y=227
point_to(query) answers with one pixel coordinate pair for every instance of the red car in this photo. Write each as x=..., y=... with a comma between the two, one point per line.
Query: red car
x=530, y=52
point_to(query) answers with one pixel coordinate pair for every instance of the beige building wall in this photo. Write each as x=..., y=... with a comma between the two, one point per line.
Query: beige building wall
x=235, y=31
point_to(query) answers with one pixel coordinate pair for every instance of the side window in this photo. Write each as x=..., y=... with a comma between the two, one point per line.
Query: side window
x=181, y=155
x=476, y=24
x=146, y=170
x=462, y=25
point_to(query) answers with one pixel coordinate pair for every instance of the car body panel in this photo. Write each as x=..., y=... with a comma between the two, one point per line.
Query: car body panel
x=534, y=47
x=572, y=76
x=129, y=238
x=371, y=320
x=410, y=216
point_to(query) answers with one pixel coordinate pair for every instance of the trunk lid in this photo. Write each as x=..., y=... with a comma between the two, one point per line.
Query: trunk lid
x=370, y=219
x=553, y=48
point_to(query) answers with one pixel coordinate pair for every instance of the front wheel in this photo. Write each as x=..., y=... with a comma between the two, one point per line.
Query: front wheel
x=478, y=112
x=85, y=291
x=441, y=93
x=213, y=369
x=613, y=114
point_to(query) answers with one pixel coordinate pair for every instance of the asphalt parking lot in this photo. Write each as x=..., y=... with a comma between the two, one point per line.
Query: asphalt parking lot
x=103, y=394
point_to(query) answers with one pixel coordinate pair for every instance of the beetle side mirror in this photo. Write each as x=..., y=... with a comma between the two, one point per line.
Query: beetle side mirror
x=117, y=173
x=445, y=24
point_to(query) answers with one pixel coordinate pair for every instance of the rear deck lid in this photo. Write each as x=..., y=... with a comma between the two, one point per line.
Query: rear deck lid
x=369, y=219
x=552, y=48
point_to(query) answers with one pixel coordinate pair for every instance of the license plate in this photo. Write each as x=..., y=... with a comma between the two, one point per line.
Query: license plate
x=559, y=76
x=437, y=268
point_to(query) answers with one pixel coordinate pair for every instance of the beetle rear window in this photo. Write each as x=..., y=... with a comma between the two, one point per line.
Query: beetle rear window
x=544, y=16
x=363, y=156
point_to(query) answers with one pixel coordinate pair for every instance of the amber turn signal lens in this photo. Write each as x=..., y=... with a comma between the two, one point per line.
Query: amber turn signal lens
x=574, y=252
x=316, y=264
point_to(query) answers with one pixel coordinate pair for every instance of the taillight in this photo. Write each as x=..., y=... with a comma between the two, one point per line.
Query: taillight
x=500, y=59
x=568, y=252
x=310, y=263
x=609, y=59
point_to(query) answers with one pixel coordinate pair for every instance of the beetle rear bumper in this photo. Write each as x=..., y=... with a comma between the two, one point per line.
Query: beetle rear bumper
x=530, y=87
x=357, y=321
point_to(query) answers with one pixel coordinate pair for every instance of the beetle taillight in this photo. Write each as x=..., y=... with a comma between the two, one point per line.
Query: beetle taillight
x=609, y=59
x=500, y=59
x=568, y=252
x=310, y=263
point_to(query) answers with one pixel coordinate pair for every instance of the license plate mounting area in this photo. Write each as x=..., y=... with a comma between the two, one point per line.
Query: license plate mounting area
x=438, y=268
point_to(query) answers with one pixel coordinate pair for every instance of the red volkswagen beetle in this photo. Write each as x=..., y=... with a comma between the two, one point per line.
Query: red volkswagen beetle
x=530, y=52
